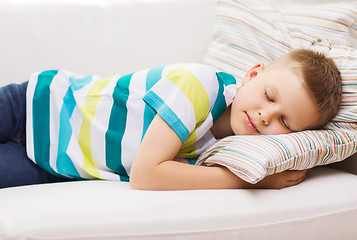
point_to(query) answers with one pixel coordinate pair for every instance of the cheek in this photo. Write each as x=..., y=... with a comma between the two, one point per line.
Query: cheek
x=240, y=100
x=250, y=95
x=235, y=104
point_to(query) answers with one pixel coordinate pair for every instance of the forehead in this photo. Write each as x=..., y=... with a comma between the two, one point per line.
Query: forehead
x=295, y=102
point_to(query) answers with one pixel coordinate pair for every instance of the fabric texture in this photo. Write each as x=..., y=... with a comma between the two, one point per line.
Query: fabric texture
x=16, y=169
x=13, y=113
x=245, y=36
x=87, y=127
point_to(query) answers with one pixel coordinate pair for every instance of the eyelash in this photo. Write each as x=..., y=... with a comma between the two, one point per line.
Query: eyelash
x=284, y=124
x=271, y=100
x=267, y=96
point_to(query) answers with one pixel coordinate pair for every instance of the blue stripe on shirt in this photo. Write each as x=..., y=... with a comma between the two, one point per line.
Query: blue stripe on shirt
x=226, y=78
x=153, y=76
x=167, y=114
x=64, y=162
x=78, y=83
x=220, y=105
x=116, y=128
x=41, y=120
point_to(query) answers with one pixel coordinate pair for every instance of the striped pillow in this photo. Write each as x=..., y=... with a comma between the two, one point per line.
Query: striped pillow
x=244, y=36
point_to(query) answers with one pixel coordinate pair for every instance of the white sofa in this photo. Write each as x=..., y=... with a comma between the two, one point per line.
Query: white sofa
x=106, y=37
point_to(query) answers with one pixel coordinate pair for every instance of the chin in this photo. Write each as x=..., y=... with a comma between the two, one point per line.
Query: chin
x=247, y=133
x=241, y=132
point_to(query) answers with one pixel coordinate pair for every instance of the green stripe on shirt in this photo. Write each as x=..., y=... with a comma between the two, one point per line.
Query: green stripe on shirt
x=116, y=127
x=41, y=120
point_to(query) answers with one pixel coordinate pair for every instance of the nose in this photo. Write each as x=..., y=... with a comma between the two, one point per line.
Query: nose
x=268, y=114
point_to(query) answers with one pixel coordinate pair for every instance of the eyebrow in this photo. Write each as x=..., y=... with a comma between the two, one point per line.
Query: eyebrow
x=273, y=89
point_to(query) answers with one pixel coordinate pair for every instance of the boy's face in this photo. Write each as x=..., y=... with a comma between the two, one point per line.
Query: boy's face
x=272, y=102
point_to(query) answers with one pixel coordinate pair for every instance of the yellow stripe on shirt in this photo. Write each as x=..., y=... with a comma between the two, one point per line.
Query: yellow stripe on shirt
x=197, y=95
x=88, y=111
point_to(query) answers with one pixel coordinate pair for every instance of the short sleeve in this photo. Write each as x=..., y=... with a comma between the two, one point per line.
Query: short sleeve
x=184, y=96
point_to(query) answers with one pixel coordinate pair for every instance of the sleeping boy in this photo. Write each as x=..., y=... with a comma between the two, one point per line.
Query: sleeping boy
x=146, y=126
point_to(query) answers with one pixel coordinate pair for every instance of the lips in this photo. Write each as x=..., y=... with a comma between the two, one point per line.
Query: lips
x=250, y=123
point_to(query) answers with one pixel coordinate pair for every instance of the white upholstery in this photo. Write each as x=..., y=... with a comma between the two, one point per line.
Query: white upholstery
x=106, y=37
x=324, y=206
x=103, y=37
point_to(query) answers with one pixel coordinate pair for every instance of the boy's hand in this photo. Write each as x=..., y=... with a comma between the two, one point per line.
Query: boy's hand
x=282, y=180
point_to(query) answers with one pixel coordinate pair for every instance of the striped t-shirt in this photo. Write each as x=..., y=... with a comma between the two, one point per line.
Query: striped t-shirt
x=87, y=127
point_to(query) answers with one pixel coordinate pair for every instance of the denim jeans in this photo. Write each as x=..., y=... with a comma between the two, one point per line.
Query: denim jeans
x=16, y=169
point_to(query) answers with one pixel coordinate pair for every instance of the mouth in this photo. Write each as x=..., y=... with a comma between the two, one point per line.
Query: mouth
x=250, y=123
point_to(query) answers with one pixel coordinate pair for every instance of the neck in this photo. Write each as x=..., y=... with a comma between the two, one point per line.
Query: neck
x=222, y=127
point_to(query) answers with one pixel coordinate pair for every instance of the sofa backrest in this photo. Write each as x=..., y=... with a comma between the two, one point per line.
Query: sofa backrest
x=103, y=37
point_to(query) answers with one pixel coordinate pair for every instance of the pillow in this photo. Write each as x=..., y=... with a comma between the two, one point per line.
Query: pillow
x=244, y=36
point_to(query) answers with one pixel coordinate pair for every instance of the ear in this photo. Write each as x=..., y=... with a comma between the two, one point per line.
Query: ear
x=253, y=72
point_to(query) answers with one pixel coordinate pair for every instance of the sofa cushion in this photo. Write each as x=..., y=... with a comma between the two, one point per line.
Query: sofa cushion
x=107, y=210
x=244, y=36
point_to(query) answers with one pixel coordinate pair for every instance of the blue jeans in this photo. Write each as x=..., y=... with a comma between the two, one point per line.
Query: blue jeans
x=16, y=169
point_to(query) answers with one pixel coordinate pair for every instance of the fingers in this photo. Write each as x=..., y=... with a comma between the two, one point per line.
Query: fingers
x=296, y=176
x=282, y=179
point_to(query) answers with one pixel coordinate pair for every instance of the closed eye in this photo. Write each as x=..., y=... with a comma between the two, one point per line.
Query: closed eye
x=267, y=95
x=283, y=122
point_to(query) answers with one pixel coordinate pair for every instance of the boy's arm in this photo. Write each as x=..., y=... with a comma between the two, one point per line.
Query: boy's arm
x=154, y=167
